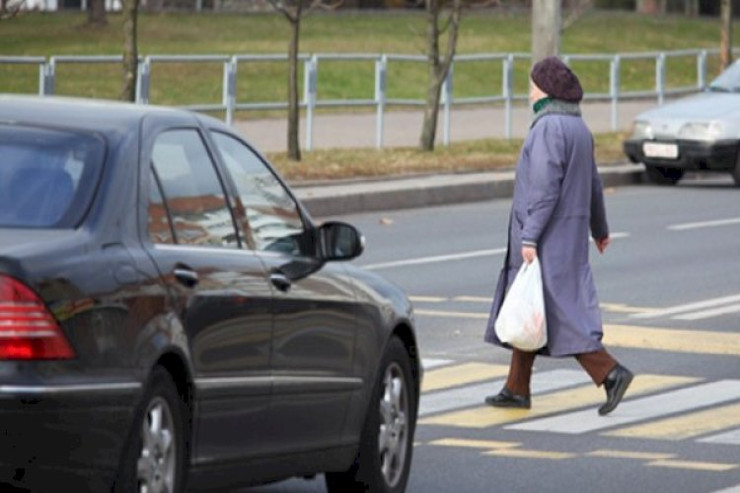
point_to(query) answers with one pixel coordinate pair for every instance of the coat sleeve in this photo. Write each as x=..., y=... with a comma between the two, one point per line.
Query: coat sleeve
x=545, y=178
x=599, y=226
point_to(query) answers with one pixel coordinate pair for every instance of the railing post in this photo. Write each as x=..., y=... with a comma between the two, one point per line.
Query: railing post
x=47, y=74
x=229, y=90
x=309, y=97
x=508, y=89
x=381, y=70
x=701, y=70
x=143, y=81
x=660, y=77
x=447, y=101
x=614, y=89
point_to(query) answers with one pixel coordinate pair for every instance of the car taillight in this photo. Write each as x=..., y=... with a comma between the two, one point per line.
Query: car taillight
x=28, y=331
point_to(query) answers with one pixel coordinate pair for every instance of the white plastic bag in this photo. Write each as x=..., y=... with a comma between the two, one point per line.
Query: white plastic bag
x=521, y=321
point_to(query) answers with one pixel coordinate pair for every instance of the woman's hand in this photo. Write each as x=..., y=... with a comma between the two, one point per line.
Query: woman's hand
x=529, y=254
x=602, y=243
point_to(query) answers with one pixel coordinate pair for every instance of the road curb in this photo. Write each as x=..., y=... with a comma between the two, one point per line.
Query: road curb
x=411, y=192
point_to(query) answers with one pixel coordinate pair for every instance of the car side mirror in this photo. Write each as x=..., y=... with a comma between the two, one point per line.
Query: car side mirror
x=340, y=241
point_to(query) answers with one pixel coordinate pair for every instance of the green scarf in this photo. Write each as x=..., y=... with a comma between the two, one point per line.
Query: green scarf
x=541, y=103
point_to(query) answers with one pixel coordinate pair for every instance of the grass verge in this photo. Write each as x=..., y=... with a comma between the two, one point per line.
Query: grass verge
x=460, y=157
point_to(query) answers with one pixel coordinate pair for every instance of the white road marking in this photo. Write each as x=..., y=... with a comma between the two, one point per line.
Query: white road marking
x=452, y=257
x=699, y=305
x=704, y=224
x=436, y=258
x=448, y=400
x=429, y=363
x=731, y=489
x=728, y=438
x=637, y=410
x=724, y=310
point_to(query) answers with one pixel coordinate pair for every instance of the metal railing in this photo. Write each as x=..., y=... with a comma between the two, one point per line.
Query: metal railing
x=507, y=95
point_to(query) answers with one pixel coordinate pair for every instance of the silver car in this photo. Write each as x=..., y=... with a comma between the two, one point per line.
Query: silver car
x=697, y=133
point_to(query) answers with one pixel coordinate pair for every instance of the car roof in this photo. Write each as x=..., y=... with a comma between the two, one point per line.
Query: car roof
x=85, y=114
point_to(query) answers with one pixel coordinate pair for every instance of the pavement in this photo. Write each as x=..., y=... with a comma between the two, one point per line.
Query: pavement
x=402, y=128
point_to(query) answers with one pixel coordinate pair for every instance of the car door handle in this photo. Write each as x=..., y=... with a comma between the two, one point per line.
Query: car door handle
x=186, y=277
x=280, y=281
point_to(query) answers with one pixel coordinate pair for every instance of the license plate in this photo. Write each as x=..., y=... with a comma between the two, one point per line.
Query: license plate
x=660, y=150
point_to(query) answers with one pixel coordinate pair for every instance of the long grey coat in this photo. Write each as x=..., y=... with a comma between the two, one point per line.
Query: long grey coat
x=557, y=196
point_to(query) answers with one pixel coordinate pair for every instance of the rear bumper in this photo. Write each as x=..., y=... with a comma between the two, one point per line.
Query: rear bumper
x=692, y=155
x=64, y=434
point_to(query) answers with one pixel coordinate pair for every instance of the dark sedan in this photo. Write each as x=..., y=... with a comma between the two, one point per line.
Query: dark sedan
x=171, y=316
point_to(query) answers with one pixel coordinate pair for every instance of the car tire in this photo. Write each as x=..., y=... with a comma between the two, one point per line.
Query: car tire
x=383, y=460
x=736, y=171
x=661, y=175
x=154, y=455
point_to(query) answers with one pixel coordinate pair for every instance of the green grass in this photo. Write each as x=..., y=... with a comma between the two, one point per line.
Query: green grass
x=45, y=34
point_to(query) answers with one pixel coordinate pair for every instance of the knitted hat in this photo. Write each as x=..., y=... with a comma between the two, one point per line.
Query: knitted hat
x=557, y=80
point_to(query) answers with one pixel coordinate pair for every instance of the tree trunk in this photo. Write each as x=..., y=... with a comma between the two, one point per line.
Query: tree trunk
x=437, y=68
x=294, y=149
x=691, y=8
x=130, y=49
x=96, y=15
x=546, y=26
x=726, y=43
x=647, y=6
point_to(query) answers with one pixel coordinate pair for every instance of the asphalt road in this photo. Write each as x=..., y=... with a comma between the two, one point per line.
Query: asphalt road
x=670, y=291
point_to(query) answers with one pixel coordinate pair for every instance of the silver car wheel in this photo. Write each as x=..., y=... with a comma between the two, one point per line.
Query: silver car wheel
x=394, y=425
x=157, y=463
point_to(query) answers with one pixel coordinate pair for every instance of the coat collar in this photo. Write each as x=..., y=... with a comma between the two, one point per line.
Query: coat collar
x=557, y=106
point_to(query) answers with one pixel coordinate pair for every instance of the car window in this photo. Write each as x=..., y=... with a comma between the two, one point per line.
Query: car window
x=47, y=177
x=728, y=81
x=272, y=220
x=193, y=195
x=160, y=226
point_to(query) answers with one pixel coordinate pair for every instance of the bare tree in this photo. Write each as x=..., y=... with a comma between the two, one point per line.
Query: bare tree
x=691, y=7
x=726, y=37
x=576, y=10
x=547, y=22
x=438, y=64
x=96, y=14
x=130, y=49
x=294, y=11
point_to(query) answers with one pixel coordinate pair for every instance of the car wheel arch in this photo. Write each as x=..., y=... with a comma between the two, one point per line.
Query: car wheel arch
x=404, y=332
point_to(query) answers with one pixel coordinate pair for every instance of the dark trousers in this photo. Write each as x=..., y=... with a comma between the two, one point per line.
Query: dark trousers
x=597, y=364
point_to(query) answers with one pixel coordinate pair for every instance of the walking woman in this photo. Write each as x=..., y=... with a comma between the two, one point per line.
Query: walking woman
x=558, y=197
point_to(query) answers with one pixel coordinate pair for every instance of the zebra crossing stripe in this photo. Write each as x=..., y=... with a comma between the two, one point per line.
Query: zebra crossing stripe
x=429, y=363
x=727, y=438
x=678, y=340
x=473, y=395
x=695, y=465
x=637, y=410
x=543, y=405
x=465, y=373
x=685, y=426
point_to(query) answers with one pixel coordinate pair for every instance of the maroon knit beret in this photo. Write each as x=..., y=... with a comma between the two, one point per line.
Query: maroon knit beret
x=557, y=80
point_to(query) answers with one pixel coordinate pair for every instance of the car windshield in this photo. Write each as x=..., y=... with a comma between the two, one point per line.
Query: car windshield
x=727, y=81
x=47, y=176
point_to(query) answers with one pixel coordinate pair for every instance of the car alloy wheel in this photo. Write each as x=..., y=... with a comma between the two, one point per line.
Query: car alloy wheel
x=156, y=465
x=154, y=457
x=394, y=425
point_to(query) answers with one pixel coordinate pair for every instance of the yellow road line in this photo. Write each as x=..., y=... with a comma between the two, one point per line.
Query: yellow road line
x=542, y=405
x=679, y=340
x=465, y=373
x=479, y=444
x=694, y=465
x=627, y=454
x=446, y=314
x=530, y=454
x=685, y=426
